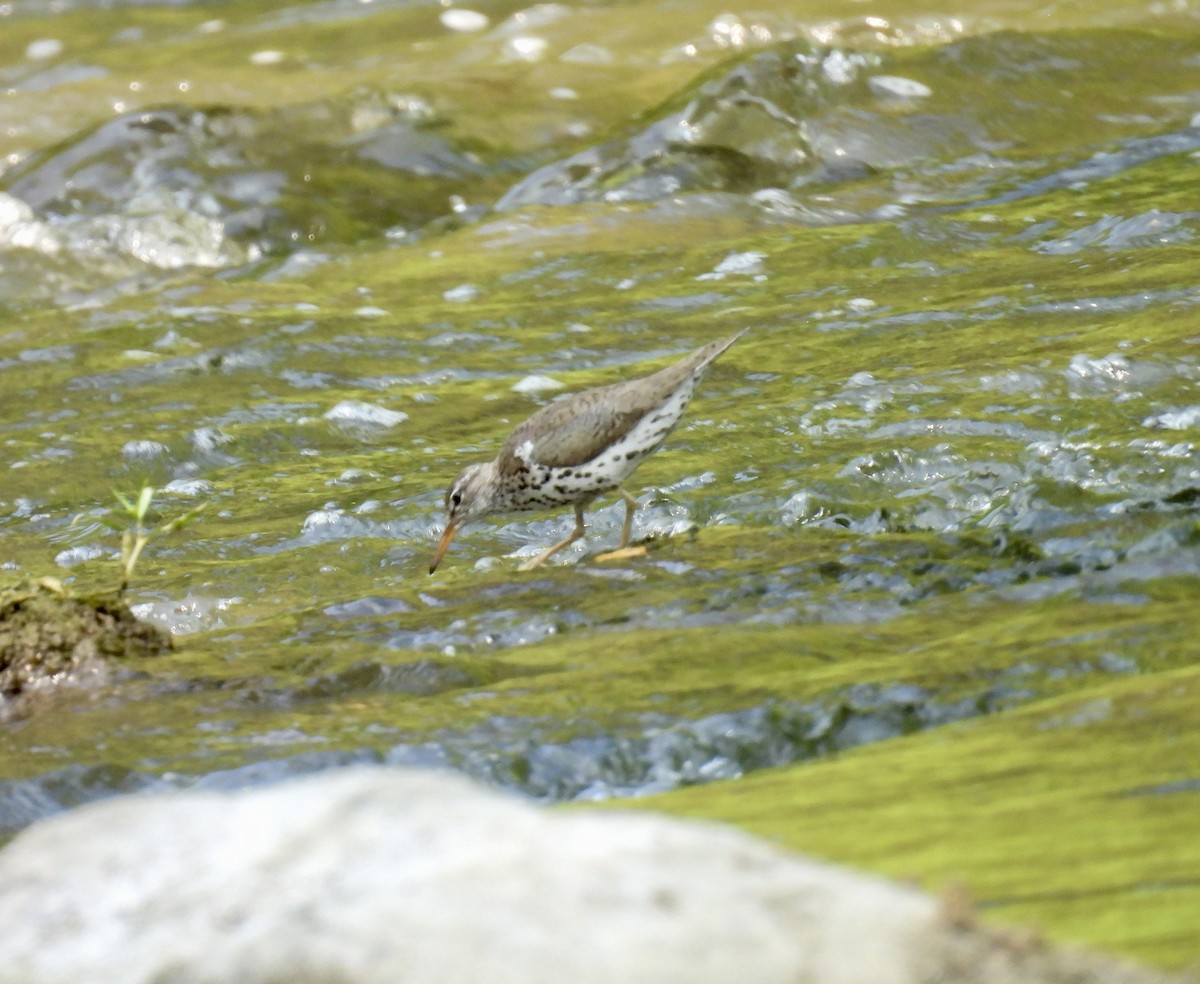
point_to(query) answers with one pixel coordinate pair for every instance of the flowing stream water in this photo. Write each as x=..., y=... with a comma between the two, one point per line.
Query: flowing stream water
x=302, y=261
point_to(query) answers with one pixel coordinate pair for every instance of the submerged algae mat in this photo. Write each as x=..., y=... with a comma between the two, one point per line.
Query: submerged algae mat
x=1076, y=814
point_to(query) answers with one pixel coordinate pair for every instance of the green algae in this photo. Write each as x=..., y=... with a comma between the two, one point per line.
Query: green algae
x=1075, y=813
x=611, y=679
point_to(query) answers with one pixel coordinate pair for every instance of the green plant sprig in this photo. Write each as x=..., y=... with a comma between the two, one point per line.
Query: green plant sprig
x=136, y=532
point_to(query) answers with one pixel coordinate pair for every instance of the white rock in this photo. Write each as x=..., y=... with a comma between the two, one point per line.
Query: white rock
x=375, y=875
x=403, y=877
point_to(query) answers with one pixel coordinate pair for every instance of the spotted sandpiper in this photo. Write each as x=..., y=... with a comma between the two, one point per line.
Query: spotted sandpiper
x=577, y=448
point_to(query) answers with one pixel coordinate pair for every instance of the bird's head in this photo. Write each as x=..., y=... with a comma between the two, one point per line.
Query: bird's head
x=469, y=496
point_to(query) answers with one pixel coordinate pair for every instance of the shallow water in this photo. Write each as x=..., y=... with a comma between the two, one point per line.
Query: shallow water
x=301, y=263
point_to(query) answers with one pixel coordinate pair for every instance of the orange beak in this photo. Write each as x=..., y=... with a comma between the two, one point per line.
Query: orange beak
x=443, y=545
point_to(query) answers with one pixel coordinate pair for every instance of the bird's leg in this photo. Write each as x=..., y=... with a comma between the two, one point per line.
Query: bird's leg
x=630, y=507
x=550, y=552
x=624, y=551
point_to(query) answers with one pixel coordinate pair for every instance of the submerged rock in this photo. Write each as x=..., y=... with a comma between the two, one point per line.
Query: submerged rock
x=176, y=187
x=373, y=875
x=50, y=639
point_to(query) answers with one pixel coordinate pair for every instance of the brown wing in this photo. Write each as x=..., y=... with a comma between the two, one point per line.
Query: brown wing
x=574, y=430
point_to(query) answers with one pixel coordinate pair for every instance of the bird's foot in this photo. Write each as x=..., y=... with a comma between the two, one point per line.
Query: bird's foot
x=623, y=553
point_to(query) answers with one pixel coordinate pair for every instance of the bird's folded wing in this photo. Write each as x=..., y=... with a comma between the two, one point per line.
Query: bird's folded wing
x=584, y=436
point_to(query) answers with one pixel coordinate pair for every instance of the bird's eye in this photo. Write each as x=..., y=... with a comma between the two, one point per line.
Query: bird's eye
x=456, y=498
